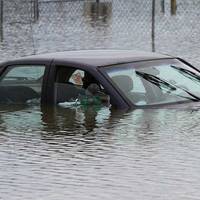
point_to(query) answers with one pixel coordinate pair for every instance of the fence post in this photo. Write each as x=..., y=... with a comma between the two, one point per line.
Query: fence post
x=163, y=6
x=35, y=10
x=1, y=20
x=153, y=26
x=173, y=7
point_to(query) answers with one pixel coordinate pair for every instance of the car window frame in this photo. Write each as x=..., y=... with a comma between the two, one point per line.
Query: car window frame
x=29, y=62
x=116, y=100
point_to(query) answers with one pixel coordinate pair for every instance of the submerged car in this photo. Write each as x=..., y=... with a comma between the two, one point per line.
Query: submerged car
x=124, y=78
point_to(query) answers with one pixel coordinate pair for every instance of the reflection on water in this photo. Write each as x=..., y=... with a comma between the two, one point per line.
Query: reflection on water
x=95, y=153
x=98, y=13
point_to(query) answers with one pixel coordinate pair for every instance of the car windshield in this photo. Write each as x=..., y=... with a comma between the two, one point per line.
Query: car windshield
x=156, y=82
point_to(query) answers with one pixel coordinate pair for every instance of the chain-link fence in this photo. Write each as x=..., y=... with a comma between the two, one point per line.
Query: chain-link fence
x=34, y=26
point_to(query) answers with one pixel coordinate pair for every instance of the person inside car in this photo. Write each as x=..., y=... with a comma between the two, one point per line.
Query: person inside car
x=93, y=92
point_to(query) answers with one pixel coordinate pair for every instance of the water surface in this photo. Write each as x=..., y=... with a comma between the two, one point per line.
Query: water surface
x=63, y=153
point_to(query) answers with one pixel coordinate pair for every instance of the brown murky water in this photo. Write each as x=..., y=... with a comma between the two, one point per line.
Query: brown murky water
x=99, y=153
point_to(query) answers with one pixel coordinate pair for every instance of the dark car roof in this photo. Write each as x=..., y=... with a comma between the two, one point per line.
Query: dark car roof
x=97, y=57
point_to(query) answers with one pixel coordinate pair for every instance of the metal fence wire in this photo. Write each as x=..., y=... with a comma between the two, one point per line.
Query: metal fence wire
x=31, y=26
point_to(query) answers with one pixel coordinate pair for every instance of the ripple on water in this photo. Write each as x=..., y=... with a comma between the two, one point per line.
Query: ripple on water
x=108, y=154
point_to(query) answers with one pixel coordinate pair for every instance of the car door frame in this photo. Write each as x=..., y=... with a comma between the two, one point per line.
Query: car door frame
x=116, y=100
x=20, y=62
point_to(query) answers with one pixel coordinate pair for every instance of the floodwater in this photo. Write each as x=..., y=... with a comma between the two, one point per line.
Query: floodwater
x=57, y=153
x=99, y=154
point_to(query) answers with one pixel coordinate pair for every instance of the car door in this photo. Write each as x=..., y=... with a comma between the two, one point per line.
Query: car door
x=23, y=82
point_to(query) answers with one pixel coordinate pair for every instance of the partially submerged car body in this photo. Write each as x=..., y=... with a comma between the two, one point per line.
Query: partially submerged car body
x=54, y=77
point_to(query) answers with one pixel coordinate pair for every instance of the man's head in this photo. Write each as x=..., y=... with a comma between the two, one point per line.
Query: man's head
x=93, y=89
x=87, y=80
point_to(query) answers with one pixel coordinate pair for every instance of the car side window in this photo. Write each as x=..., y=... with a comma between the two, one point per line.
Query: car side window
x=21, y=83
x=76, y=86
